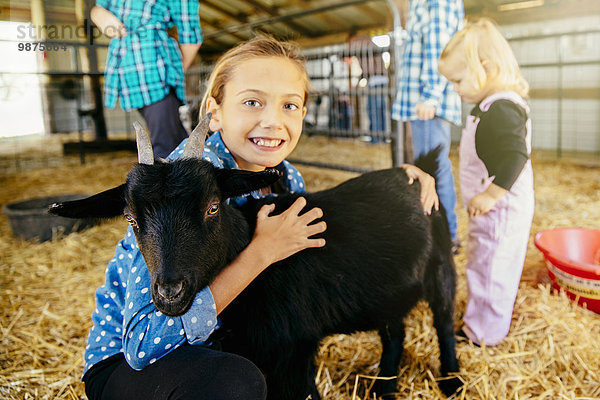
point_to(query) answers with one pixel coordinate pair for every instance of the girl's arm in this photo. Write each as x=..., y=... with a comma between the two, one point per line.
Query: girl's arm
x=150, y=335
x=147, y=333
x=275, y=238
x=107, y=22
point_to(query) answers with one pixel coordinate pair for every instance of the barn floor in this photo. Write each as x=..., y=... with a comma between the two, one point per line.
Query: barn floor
x=46, y=293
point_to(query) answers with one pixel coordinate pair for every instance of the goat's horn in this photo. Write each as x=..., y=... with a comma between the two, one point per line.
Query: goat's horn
x=144, y=145
x=195, y=144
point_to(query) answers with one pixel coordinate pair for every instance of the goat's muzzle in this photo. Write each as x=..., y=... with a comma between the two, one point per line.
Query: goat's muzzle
x=172, y=298
x=169, y=291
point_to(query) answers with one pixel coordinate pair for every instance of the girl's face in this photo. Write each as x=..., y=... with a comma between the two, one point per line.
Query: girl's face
x=260, y=117
x=455, y=69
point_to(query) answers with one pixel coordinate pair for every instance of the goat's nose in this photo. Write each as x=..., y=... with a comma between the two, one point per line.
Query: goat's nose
x=169, y=291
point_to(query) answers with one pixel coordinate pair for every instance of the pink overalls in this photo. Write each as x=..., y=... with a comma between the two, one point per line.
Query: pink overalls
x=497, y=241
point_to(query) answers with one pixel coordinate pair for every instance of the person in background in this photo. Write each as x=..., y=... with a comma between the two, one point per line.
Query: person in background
x=424, y=97
x=145, y=66
x=375, y=74
x=496, y=177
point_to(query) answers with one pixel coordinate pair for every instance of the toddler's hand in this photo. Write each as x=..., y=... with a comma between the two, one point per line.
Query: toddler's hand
x=287, y=233
x=480, y=204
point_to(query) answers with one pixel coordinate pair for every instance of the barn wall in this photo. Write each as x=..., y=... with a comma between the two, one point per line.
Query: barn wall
x=570, y=124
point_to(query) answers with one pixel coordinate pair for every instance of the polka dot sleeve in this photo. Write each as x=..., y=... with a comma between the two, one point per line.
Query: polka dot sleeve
x=148, y=334
x=294, y=180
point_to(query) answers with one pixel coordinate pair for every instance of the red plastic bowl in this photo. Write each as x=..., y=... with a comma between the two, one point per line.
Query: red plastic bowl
x=573, y=261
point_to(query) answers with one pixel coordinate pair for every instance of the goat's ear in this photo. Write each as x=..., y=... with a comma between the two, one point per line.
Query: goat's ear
x=107, y=204
x=235, y=182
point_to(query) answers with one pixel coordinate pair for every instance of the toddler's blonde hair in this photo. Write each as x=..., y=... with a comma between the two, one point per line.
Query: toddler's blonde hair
x=260, y=46
x=483, y=43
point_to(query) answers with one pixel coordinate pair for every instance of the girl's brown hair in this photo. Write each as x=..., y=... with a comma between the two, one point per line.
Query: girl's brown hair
x=260, y=46
x=484, y=44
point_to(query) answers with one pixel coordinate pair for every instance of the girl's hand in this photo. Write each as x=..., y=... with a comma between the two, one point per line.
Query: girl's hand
x=429, y=197
x=275, y=238
x=283, y=235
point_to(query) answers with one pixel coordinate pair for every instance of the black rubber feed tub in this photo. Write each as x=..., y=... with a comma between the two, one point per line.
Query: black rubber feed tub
x=30, y=220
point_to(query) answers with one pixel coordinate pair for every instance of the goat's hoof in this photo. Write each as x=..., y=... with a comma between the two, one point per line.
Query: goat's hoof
x=449, y=386
x=385, y=390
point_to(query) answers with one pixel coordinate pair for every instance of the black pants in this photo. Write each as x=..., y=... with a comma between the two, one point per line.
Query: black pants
x=190, y=372
x=164, y=124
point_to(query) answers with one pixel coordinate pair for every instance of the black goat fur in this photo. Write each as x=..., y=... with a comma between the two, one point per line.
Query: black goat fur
x=382, y=256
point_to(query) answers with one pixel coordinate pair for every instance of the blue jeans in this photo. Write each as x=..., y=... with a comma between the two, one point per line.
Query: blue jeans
x=376, y=107
x=426, y=136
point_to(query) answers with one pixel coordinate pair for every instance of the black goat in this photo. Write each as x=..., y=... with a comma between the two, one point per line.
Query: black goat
x=382, y=256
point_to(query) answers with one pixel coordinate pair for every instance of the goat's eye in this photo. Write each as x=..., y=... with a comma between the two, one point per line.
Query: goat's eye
x=131, y=220
x=213, y=209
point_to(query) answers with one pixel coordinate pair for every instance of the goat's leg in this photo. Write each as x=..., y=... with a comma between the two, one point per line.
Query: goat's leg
x=441, y=302
x=448, y=360
x=293, y=375
x=392, y=342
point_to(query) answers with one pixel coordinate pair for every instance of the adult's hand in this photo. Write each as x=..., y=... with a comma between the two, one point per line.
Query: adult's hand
x=425, y=111
x=429, y=197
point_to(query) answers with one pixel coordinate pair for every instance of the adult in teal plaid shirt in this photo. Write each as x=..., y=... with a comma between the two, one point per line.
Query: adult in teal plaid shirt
x=425, y=98
x=145, y=66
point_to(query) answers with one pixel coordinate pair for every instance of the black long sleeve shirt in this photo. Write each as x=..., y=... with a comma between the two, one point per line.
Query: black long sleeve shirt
x=500, y=140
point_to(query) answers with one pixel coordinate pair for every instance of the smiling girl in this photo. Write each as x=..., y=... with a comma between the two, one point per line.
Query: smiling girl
x=257, y=96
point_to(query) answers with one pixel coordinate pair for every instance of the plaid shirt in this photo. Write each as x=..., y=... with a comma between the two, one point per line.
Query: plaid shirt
x=143, y=65
x=430, y=25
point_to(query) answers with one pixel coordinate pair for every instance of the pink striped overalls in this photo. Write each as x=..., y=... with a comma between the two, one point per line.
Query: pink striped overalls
x=497, y=241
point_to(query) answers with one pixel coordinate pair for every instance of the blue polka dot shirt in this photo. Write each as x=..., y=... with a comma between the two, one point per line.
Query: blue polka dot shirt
x=125, y=319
